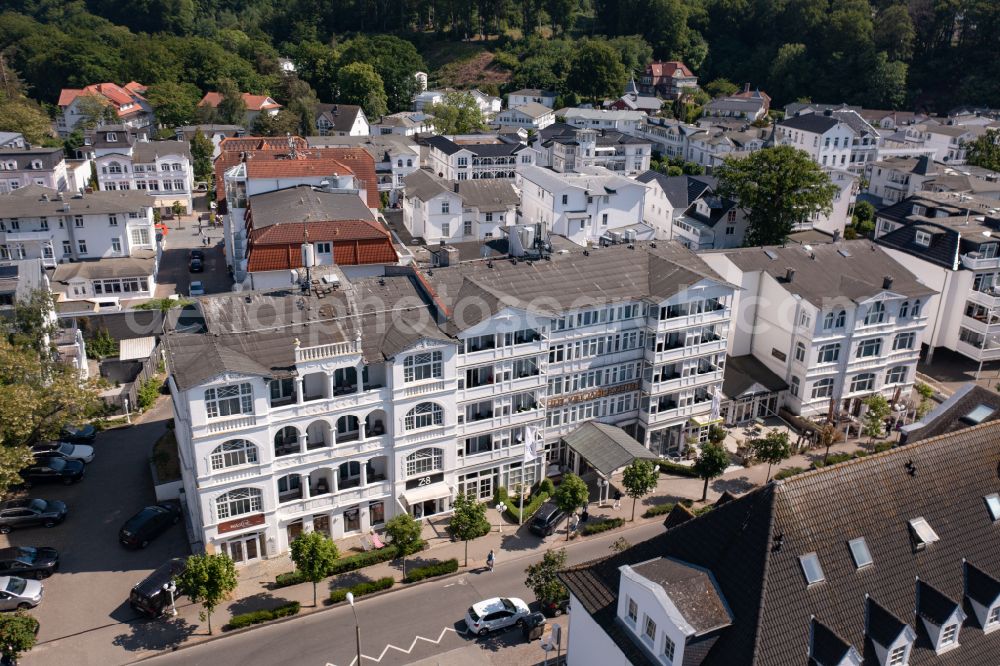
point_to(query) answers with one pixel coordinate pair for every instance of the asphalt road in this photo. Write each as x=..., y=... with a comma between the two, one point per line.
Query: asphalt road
x=399, y=627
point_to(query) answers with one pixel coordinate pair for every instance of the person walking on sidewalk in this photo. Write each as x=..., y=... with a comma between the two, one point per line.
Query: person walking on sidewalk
x=490, y=560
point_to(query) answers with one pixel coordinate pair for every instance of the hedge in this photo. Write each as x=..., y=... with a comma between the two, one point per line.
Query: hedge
x=658, y=510
x=668, y=467
x=534, y=504
x=602, y=526
x=361, y=589
x=431, y=570
x=257, y=617
x=349, y=563
x=787, y=472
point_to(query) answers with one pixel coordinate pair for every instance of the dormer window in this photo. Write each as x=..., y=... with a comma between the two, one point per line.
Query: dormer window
x=112, y=136
x=993, y=619
x=633, y=611
x=898, y=656
x=923, y=239
x=949, y=636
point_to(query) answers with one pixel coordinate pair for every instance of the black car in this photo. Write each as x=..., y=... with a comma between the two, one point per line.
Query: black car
x=85, y=434
x=197, y=254
x=53, y=469
x=149, y=597
x=28, y=562
x=555, y=608
x=18, y=513
x=148, y=524
x=546, y=520
x=196, y=265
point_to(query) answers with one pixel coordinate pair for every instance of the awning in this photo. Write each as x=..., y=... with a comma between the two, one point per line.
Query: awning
x=136, y=349
x=606, y=448
x=431, y=491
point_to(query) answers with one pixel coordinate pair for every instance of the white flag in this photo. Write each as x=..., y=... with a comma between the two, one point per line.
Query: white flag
x=716, y=403
x=530, y=444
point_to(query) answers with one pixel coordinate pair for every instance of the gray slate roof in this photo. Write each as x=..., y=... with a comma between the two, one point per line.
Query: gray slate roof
x=31, y=201
x=141, y=264
x=605, y=447
x=340, y=116
x=692, y=589
x=303, y=203
x=742, y=372
x=147, y=151
x=488, y=194
x=49, y=157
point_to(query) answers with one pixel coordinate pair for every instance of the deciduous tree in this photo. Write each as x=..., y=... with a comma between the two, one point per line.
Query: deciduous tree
x=596, y=71
x=457, y=114
x=359, y=83
x=984, y=151
x=404, y=531
x=543, y=577
x=208, y=580
x=468, y=521
x=17, y=635
x=201, y=155
x=571, y=494
x=639, y=479
x=313, y=554
x=175, y=104
x=772, y=449
x=710, y=464
x=232, y=109
x=877, y=410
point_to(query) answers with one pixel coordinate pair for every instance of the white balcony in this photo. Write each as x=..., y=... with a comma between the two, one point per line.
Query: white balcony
x=988, y=299
x=677, y=383
x=423, y=436
x=688, y=351
x=36, y=236
x=486, y=391
x=225, y=425
x=668, y=415
x=329, y=454
x=225, y=477
x=505, y=421
x=515, y=452
x=534, y=348
x=350, y=402
x=330, y=501
x=701, y=318
x=425, y=388
x=973, y=261
x=323, y=352
x=978, y=353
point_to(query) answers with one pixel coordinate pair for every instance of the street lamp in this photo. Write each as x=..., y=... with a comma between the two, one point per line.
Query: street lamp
x=501, y=507
x=357, y=624
x=170, y=588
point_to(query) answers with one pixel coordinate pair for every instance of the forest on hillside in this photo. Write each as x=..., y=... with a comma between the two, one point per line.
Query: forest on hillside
x=929, y=54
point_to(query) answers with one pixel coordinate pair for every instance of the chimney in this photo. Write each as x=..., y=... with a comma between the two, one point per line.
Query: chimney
x=887, y=282
x=789, y=274
x=828, y=112
x=746, y=87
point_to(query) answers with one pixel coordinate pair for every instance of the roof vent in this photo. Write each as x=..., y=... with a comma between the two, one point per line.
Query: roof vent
x=789, y=274
x=887, y=282
x=911, y=469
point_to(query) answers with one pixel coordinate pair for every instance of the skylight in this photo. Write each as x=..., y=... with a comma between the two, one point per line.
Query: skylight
x=979, y=414
x=993, y=504
x=924, y=532
x=811, y=568
x=859, y=551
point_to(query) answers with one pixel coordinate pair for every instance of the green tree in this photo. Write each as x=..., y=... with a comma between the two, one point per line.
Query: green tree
x=359, y=83
x=282, y=123
x=175, y=104
x=776, y=187
x=863, y=218
x=468, y=521
x=313, y=554
x=20, y=114
x=543, y=577
x=596, y=71
x=232, y=109
x=710, y=464
x=926, y=394
x=894, y=32
x=887, y=82
x=394, y=59
x=404, y=531
x=984, y=151
x=201, y=155
x=772, y=449
x=457, y=114
x=877, y=410
x=95, y=110
x=17, y=635
x=721, y=88
x=101, y=345
x=571, y=494
x=639, y=479
x=207, y=580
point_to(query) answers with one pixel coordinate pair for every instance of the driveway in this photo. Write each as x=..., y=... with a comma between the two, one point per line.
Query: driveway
x=95, y=575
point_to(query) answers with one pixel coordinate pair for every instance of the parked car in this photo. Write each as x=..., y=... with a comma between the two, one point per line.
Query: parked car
x=196, y=265
x=64, y=450
x=555, y=608
x=149, y=596
x=27, y=512
x=85, y=434
x=25, y=561
x=148, y=524
x=18, y=593
x=495, y=614
x=546, y=520
x=53, y=469
x=196, y=288
x=197, y=254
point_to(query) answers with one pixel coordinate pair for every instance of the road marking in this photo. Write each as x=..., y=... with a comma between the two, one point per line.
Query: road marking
x=407, y=651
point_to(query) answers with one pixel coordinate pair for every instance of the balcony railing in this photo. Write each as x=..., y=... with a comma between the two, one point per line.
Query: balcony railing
x=321, y=352
x=973, y=261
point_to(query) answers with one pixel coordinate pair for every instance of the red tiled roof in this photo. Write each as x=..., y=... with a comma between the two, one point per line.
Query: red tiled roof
x=347, y=251
x=67, y=95
x=301, y=168
x=117, y=95
x=252, y=102
x=320, y=230
x=362, y=164
x=668, y=68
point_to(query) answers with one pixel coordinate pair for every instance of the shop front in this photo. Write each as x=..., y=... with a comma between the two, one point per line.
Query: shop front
x=427, y=496
x=240, y=541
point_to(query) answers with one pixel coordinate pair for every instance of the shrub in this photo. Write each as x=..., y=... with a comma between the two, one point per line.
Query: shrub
x=602, y=526
x=148, y=392
x=289, y=578
x=431, y=570
x=834, y=459
x=547, y=487
x=658, y=510
x=787, y=472
x=349, y=563
x=361, y=589
x=882, y=446
x=533, y=504
x=257, y=617
x=668, y=467
x=703, y=510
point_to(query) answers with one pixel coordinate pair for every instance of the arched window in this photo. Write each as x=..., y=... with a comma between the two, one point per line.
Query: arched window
x=423, y=461
x=233, y=453
x=863, y=382
x=800, y=352
x=828, y=320
x=904, y=309
x=876, y=314
x=915, y=312
x=822, y=388
x=424, y=415
x=114, y=167
x=238, y=502
x=841, y=319
x=399, y=163
x=409, y=163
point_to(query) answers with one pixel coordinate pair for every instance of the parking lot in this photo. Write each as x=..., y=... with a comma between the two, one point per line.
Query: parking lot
x=95, y=575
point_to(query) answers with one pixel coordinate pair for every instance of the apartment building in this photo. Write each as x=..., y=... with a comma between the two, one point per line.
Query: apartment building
x=162, y=169
x=335, y=417
x=475, y=156
x=404, y=123
x=583, y=206
x=566, y=148
x=667, y=197
x=825, y=137
x=395, y=156
x=609, y=119
x=130, y=106
x=488, y=105
x=45, y=167
x=531, y=115
x=836, y=322
x=893, y=179
x=951, y=243
x=441, y=211
x=532, y=95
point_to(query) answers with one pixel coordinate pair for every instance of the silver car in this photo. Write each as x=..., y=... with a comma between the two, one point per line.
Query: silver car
x=19, y=593
x=495, y=614
x=65, y=450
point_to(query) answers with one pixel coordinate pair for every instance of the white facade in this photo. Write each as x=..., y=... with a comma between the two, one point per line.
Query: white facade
x=404, y=123
x=522, y=97
x=46, y=167
x=326, y=126
x=436, y=219
x=526, y=116
x=161, y=169
x=829, y=147
x=623, y=121
x=588, y=642
x=459, y=159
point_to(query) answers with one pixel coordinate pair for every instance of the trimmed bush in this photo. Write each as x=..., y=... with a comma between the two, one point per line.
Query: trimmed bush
x=547, y=487
x=833, y=459
x=257, y=617
x=533, y=504
x=602, y=526
x=361, y=589
x=658, y=510
x=349, y=563
x=790, y=471
x=288, y=578
x=668, y=467
x=703, y=510
x=431, y=570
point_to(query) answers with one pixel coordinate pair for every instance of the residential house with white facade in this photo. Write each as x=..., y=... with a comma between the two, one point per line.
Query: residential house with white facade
x=735, y=107
x=131, y=108
x=162, y=169
x=341, y=120
x=585, y=206
x=255, y=105
x=213, y=132
x=442, y=211
x=395, y=158
x=334, y=418
x=895, y=178
x=671, y=79
x=45, y=167
x=12, y=140
x=826, y=138
x=102, y=245
x=404, y=123
x=532, y=116
x=626, y=122
x=567, y=148
x=668, y=197
x=837, y=322
x=488, y=105
x=532, y=95
x=474, y=156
